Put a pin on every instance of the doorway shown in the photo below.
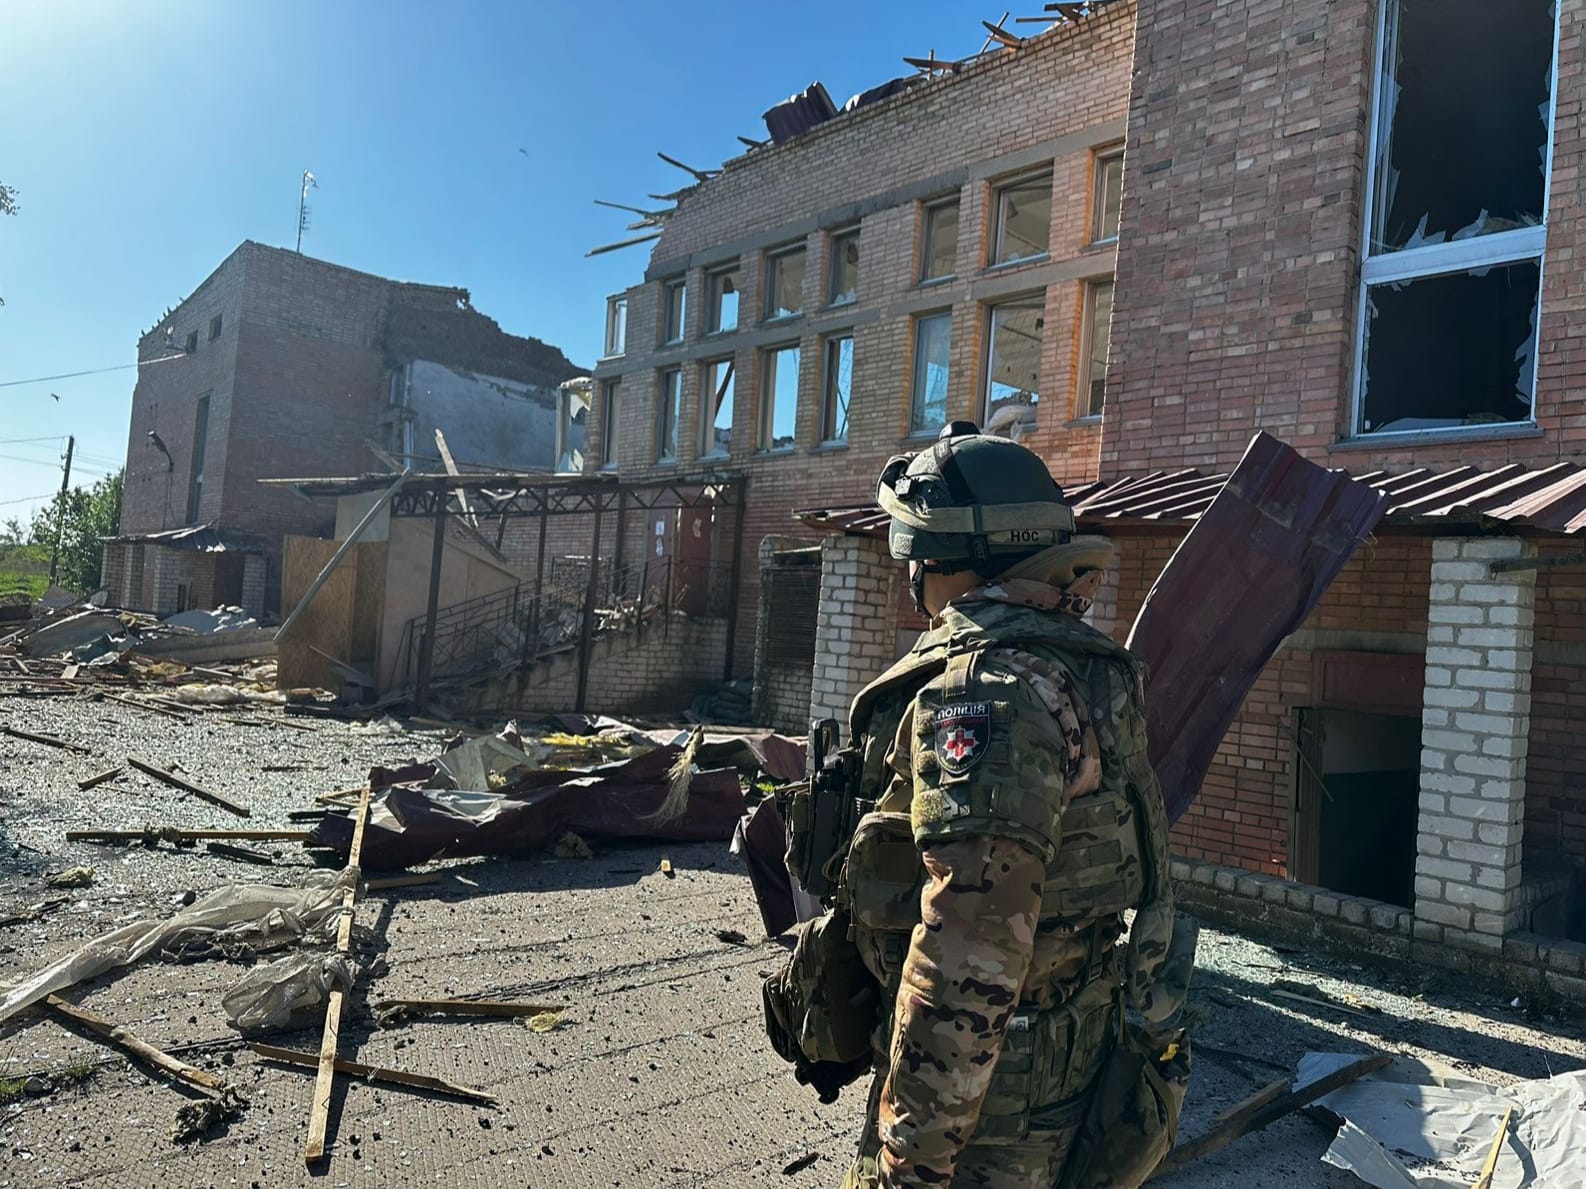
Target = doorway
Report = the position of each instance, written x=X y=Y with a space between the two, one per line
x=1357 y=801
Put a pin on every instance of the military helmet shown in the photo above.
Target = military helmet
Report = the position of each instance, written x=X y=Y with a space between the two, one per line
x=972 y=501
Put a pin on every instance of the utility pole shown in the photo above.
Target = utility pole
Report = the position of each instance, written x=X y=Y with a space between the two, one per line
x=302 y=208
x=60 y=508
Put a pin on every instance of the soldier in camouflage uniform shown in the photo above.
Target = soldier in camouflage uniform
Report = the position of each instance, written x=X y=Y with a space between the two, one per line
x=1010 y=819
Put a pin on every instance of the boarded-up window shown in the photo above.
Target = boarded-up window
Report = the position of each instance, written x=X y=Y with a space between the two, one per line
x=792 y=606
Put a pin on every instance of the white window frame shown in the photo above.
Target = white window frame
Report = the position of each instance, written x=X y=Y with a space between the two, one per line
x=998 y=194
x=616 y=327
x=839 y=239
x=564 y=402
x=1435 y=260
x=769 y=395
x=1087 y=339
x=678 y=285
x=773 y=262
x=916 y=393
x=1037 y=299
x=707 y=411
x=926 y=211
x=713 y=278
x=1100 y=158
x=828 y=391
x=663 y=400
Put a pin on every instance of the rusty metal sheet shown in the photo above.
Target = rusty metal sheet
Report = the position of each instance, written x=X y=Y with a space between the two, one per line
x=1254 y=566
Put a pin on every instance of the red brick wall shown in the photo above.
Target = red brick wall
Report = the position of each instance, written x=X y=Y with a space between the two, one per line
x=1555 y=800
x=1243 y=200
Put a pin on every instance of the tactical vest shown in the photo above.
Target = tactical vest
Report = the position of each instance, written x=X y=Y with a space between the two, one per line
x=1112 y=855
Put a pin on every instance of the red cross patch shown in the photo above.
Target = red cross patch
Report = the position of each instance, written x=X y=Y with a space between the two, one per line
x=962 y=733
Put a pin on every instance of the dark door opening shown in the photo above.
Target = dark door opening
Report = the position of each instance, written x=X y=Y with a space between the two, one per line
x=228 y=580
x=1357 y=803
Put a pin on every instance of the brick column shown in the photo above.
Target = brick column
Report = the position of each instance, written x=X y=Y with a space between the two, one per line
x=857 y=627
x=1475 y=722
x=254 y=567
x=167 y=573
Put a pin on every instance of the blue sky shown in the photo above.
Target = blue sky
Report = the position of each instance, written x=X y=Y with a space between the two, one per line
x=147 y=140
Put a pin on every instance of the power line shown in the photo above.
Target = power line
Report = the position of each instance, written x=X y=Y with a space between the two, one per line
x=97 y=371
x=27 y=441
x=22 y=499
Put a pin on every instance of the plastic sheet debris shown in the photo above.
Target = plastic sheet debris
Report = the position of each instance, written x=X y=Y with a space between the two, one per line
x=259 y=916
x=412 y=822
x=287 y=991
x=206 y=622
x=1413 y=1127
x=472 y=764
x=761 y=841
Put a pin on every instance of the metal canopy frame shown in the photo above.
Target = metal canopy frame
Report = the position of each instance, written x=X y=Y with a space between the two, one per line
x=510 y=496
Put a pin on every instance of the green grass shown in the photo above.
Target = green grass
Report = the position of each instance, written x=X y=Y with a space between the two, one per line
x=24 y=569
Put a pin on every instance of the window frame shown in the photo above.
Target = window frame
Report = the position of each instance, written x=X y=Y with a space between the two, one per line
x=608 y=424
x=1037 y=299
x=564 y=399
x=616 y=326
x=190 y=344
x=838 y=240
x=916 y=391
x=927 y=209
x=768 y=396
x=216 y=324
x=828 y=388
x=713 y=296
x=1436 y=260
x=664 y=400
x=1087 y=341
x=773 y=260
x=707 y=392
x=999 y=195
x=198 y=459
x=679 y=286
x=1100 y=158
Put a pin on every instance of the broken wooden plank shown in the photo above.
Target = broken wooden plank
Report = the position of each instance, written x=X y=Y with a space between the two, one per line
x=466 y=1007
x=266 y=722
x=227 y=851
x=100 y=777
x=47 y=740
x=451 y=469
x=1490 y=1165
x=339 y=795
x=401 y=881
x=1285 y=1104
x=1248 y=1106
x=176 y=782
x=172 y=834
x=324 y=1081
x=152 y=709
x=132 y=1045
x=375 y=1073
x=1315 y=1002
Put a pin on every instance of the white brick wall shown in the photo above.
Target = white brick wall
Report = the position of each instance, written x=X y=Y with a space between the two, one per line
x=859 y=597
x=1474 y=730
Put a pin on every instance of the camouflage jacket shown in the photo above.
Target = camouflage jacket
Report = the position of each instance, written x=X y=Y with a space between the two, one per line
x=1006 y=756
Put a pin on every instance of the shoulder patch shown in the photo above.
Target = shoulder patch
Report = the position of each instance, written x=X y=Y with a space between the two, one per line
x=963 y=733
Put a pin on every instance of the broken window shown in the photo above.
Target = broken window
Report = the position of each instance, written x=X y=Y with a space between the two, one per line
x=1024 y=219
x=214 y=328
x=837 y=386
x=674 y=303
x=784 y=284
x=572 y=419
x=779 y=411
x=195 y=475
x=844 y=283
x=1013 y=366
x=192 y=342
x=1452 y=273
x=928 y=405
x=668 y=415
x=1097 y=336
x=939 y=248
x=723 y=288
x=1108 y=199
x=616 y=326
x=716 y=424
x=608 y=425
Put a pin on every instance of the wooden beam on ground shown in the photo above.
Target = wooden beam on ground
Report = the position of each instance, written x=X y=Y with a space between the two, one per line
x=132 y=1045
x=100 y=777
x=401 y=881
x=324 y=1081
x=227 y=851
x=152 y=709
x=47 y=740
x=1224 y=1134
x=155 y=833
x=176 y=782
x=1490 y=1165
x=375 y=1073
x=1248 y=1106
x=466 y=1007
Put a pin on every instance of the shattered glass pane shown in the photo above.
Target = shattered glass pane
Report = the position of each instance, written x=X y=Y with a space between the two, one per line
x=1449 y=351
x=1024 y=220
x=723 y=300
x=671 y=410
x=781 y=399
x=1462 y=144
x=928 y=410
x=839 y=385
x=718 y=403
x=941 y=241
x=1013 y=368
x=784 y=294
x=574 y=419
x=676 y=307
x=845 y=268
x=1100 y=338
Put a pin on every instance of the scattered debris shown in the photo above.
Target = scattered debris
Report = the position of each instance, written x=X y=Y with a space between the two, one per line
x=1490 y=1166
x=124 y=1040
x=227 y=850
x=546 y=1021
x=797 y=1166
x=150 y=835
x=47 y=740
x=401 y=881
x=731 y=937
x=374 y=1073
x=188 y=787
x=571 y=846
x=666 y=869
x=284 y=993
x=1298 y=992
x=208 y=1116
x=72 y=877
x=108 y=774
x=391 y=1011
x=34 y=913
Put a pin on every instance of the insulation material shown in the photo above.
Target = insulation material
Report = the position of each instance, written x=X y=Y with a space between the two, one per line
x=275 y=995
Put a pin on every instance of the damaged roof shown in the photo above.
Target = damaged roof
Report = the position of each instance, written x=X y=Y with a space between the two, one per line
x=1548 y=499
x=198 y=538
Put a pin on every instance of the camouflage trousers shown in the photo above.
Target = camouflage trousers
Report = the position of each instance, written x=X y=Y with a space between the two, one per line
x=1030 y=1164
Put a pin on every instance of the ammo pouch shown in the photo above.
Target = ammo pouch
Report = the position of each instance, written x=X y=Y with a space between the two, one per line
x=821 y=814
x=1134 y=1111
x=822 y=1005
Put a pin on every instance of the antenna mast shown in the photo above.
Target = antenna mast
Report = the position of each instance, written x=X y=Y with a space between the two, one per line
x=302 y=208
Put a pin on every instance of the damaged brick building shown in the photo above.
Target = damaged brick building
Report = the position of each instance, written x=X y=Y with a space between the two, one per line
x=279 y=365
x=1352 y=228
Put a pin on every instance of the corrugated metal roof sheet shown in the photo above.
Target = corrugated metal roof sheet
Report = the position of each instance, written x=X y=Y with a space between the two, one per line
x=1550 y=499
